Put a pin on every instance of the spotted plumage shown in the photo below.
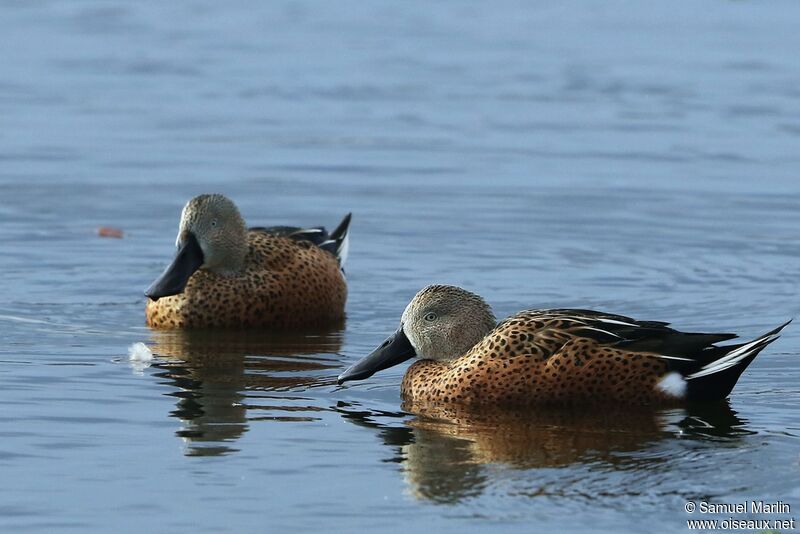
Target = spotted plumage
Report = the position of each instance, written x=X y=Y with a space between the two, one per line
x=560 y=356
x=286 y=278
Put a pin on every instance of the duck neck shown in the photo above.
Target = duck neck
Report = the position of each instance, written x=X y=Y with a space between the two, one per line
x=228 y=257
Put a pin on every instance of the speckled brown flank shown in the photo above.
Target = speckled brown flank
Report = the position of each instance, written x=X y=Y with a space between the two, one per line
x=528 y=359
x=285 y=284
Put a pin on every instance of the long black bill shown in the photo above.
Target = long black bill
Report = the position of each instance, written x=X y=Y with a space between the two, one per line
x=172 y=281
x=396 y=349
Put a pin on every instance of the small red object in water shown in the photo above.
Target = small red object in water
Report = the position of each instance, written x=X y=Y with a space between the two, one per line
x=107 y=231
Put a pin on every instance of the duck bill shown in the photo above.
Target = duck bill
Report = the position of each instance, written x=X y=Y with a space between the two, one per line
x=173 y=280
x=396 y=349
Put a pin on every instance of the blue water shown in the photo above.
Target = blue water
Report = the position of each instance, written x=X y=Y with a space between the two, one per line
x=626 y=156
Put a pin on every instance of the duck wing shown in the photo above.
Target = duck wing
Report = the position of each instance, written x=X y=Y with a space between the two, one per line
x=630 y=334
x=336 y=242
x=708 y=371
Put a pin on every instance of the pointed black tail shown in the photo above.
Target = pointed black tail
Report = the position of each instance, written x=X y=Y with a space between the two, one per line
x=715 y=380
x=338 y=242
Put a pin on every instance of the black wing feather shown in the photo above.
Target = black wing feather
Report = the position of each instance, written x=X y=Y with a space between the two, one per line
x=333 y=242
x=644 y=336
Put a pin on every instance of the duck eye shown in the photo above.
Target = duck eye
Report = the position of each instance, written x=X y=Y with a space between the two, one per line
x=430 y=316
x=214 y=223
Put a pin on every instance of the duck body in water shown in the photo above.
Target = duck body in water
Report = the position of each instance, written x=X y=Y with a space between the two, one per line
x=226 y=275
x=557 y=356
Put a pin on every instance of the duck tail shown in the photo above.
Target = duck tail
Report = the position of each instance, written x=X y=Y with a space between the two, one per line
x=339 y=240
x=715 y=380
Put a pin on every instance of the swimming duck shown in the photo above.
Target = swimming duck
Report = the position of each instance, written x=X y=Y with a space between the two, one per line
x=558 y=356
x=226 y=275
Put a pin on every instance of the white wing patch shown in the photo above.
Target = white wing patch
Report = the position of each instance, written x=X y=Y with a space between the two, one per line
x=673 y=384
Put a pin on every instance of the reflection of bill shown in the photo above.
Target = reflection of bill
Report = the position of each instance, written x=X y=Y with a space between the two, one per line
x=448 y=452
x=214 y=372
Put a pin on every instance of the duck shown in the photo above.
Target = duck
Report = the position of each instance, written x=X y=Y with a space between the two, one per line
x=227 y=275
x=551 y=356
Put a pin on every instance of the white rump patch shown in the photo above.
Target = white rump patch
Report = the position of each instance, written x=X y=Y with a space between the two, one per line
x=673 y=384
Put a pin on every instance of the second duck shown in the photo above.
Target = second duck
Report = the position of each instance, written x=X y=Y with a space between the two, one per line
x=226 y=275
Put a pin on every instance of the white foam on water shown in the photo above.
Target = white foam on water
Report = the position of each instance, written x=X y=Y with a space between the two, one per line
x=139 y=352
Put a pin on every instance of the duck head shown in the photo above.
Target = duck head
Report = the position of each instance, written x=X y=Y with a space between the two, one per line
x=212 y=236
x=440 y=323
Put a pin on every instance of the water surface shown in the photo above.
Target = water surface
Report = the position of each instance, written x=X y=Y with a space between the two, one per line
x=636 y=158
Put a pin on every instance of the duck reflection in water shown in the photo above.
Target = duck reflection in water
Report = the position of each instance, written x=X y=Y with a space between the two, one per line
x=223 y=377
x=446 y=451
